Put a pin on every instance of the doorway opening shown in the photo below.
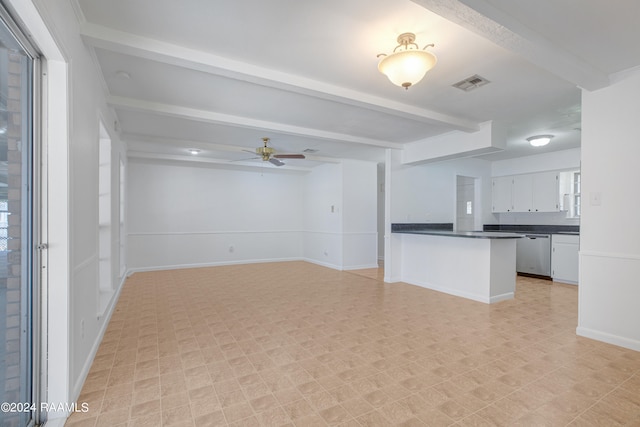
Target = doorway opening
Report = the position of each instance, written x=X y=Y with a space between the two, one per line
x=467 y=209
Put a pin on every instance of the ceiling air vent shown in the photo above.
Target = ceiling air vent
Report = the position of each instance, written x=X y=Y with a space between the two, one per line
x=471 y=83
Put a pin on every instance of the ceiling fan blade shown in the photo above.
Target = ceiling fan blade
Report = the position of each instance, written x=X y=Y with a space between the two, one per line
x=244 y=160
x=249 y=151
x=289 y=156
x=276 y=162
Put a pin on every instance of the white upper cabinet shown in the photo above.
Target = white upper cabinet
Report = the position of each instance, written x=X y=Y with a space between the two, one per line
x=501 y=200
x=522 y=193
x=545 y=189
x=534 y=192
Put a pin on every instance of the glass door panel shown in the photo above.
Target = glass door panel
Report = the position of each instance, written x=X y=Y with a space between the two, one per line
x=16 y=243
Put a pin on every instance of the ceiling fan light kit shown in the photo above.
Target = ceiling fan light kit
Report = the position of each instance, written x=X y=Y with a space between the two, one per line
x=265 y=152
x=407 y=64
x=268 y=154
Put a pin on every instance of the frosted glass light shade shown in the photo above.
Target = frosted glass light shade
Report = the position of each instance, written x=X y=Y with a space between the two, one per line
x=539 y=140
x=407 y=67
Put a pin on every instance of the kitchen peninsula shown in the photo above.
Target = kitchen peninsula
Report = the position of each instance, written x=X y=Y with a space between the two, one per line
x=472 y=264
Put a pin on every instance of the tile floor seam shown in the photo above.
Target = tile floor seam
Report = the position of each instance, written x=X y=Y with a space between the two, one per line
x=600 y=400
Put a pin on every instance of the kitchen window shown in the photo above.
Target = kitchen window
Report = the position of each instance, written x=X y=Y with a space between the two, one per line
x=575 y=202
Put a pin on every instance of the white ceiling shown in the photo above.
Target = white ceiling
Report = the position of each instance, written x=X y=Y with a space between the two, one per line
x=219 y=75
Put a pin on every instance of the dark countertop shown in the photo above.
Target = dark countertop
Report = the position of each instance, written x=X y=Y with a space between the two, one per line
x=533 y=228
x=490 y=231
x=467 y=234
x=415 y=226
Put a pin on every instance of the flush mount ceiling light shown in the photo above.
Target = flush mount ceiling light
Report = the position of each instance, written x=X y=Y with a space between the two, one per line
x=407 y=64
x=539 y=140
x=194 y=151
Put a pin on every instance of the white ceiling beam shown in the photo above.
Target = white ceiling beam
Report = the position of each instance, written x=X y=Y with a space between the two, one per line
x=205 y=116
x=482 y=18
x=173 y=142
x=226 y=163
x=131 y=44
x=134 y=138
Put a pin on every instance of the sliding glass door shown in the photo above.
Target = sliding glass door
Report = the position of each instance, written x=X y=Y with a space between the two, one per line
x=18 y=290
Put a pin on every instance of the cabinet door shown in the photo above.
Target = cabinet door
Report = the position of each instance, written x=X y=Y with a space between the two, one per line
x=564 y=261
x=522 y=193
x=545 y=189
x=501 y=194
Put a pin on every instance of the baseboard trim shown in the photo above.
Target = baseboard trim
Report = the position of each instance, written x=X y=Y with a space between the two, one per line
x=77 y=387
x=209 y=264
x=449 y=291
x=106 y=316
x=360 y=267
x=608 y=338
x=502 y=297
x=535 y=276
x=131 y=271
x=322 y=264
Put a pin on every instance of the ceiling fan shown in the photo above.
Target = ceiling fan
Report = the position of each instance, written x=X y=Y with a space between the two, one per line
x=268 y=154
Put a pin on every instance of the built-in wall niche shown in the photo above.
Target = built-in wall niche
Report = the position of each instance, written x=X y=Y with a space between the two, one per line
x=570 y=197
x=105 y=278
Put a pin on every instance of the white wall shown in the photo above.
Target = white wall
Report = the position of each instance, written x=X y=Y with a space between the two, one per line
x=75 y=103
x=609 y=290
x=427 y=193
x=340 y=215
x=553 y=161
x=185 y=214
x=381 y=193
x=535 y=218
x=360 y=208
x=322 y=218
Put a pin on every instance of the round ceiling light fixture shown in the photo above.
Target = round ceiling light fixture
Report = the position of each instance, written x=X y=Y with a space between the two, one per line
x=407 y=64
x=194 y=151
x=539 y=140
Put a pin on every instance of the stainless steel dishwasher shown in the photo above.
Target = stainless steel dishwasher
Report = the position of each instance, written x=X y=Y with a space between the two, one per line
x=533 y=254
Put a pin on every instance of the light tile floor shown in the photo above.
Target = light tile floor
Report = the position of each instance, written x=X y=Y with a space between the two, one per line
x=297 y=344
